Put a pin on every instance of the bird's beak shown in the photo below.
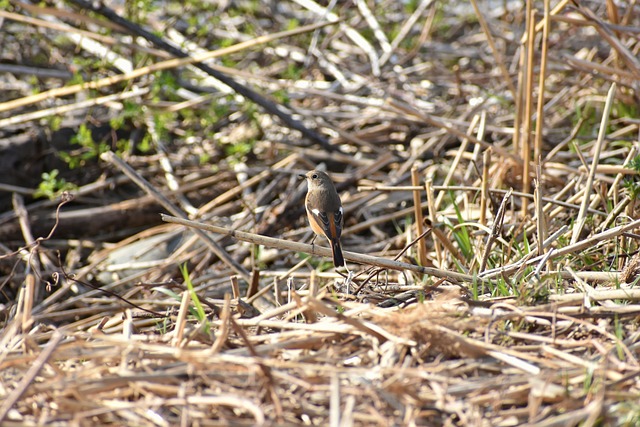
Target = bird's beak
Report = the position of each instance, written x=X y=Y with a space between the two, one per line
x=302 y=176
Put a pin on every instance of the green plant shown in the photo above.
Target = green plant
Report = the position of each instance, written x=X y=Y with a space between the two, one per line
x=292 y=24
x=51 y=185
x=130 y=111
x=620 y=109
x=218 y=109
x=204 y=158
x=54 y=122
x=89 y=149
x=238 y=150
x=162 y=121
x=589 y=380
x=282 y=96
x=319 y=263
x=632 y=182
x=138 y=11
x=293 y=72
x=475 y=291
x=163 y=326
x=461 y=233
x=619 y=332
x=164 y=87
x=585 y=115
x=198 y=309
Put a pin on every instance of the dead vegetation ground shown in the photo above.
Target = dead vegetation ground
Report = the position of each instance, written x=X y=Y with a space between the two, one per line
x=487 y=157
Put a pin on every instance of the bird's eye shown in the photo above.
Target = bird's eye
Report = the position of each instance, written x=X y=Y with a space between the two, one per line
x=314 y=176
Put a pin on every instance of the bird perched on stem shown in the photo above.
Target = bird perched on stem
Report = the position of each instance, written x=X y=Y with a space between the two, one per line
x=325 y=212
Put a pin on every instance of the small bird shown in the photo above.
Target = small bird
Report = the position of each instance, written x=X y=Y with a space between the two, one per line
x=325 y=212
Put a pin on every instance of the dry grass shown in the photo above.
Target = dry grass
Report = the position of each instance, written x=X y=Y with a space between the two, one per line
x=487 y=162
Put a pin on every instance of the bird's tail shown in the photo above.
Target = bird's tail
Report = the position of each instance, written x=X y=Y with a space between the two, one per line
x=336 y=251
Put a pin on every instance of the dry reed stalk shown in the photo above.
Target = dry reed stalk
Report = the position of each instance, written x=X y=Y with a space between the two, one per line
x=484 y=189
x=319 y=250
x=63 y=109
x=459 y=154
x=580 y=220
x=419 y=220
x=542 y=76
x=525 y=152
